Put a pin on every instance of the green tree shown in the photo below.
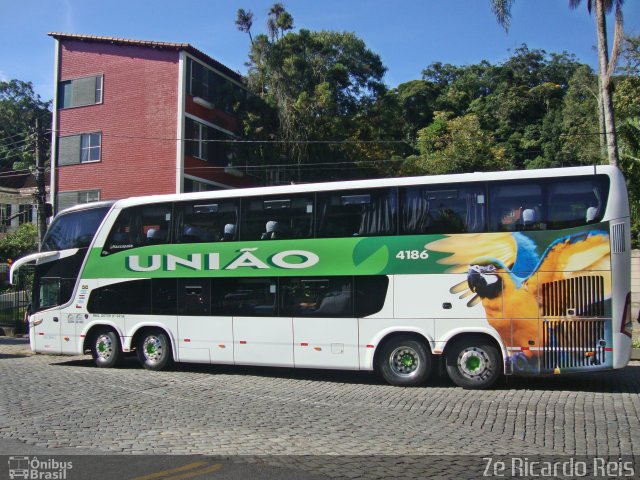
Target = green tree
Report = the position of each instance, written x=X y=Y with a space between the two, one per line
x=20 y=242
x=456 y=145
x=606 y=63
x=325 y=87
x=627 y=105
x=19 y=107
x=244 y=22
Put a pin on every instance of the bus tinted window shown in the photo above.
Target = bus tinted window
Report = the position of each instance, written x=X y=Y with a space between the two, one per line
x=140 y=226
x=251 y=297
x=517 y=206
x=370 y=292
x=276 y=218
x=206 y=221
x=53 y=291
x=316 y=297
x=133 y=297
x=577 y=201
x=164 y=296
x=194 y=296
x=442 y=209
x=73 y=229
x=357 y=213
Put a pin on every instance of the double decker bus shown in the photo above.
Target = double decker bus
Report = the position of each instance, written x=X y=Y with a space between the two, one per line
x=523 y=272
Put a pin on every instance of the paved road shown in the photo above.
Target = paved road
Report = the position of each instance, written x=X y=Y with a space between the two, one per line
x=333 y=424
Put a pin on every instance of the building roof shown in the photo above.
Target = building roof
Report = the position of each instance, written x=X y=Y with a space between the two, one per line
x=20 y=180
x=150 y=44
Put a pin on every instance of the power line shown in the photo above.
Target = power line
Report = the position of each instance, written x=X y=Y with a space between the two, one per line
x=12 y=136
x=309 y=142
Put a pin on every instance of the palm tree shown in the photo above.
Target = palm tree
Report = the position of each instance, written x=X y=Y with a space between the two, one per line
x=244 y=22
x=606 y=64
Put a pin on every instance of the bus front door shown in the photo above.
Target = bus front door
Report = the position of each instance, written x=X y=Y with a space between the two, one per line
x=46 y=331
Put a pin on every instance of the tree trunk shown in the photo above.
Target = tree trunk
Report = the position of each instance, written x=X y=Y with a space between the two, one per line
x=605 y=84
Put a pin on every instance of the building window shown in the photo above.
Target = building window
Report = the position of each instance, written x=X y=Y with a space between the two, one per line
x=209 y=144
x=196 y=186
x=80 y=92
x=69 y=199
x=90 y=147
x=83 y=148
x=221 y=92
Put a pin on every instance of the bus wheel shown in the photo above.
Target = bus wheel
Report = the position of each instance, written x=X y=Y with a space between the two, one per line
x=473 y=363
x=405 y=361
x=154 y=350
x=105 y=349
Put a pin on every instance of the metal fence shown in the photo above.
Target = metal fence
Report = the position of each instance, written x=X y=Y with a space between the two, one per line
x=14 y=299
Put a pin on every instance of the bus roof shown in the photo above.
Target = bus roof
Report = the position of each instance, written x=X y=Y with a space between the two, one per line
x=87 y=206
x=381 y=182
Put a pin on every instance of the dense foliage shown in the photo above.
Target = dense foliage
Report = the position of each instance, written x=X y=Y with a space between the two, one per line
x=19 y=107
x=327 y=114
x=20 y=242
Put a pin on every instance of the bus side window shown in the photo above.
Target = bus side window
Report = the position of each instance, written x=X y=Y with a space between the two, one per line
x=277 y=217
x=442 y=209
x=194 y=296
x=206 y=221
x=357 y=213
x=131 y=297
x=516 y=206
x=250 y=297
x=577 y=201
x=317 y=296
x=138 y=227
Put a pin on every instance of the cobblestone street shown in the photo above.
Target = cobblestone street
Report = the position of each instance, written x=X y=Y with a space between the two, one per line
x=65 y=402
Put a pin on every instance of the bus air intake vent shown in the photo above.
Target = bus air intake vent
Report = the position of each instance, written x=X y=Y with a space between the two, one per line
x=573 y=343
x=617 y=238
x=574 y=297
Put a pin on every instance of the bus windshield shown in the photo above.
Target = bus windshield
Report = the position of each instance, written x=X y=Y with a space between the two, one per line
x=74 y=229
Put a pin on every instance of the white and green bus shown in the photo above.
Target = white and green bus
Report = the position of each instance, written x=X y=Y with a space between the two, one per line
x=524 y=272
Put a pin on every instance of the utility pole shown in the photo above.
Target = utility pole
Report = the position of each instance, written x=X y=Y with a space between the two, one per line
x=41 y=194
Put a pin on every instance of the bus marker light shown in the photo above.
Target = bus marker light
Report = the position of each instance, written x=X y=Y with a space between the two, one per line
x=243 y=342
x=608 y=349
x=317 y=348
x=222 y=345
x=370 y=346
x=589 y=354
x=304 y=344
x=187 y=340
x=41 y=334
x=66 y=339
x=82 y=335
x=556 y=370
x=37 y=322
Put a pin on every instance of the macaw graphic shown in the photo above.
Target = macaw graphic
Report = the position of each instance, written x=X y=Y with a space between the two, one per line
x=505 y=272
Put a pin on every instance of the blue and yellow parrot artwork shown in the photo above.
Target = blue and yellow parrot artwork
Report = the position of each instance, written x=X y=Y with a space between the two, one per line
x=506 y=271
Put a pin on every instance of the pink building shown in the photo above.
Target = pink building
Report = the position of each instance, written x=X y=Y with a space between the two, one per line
x=137 y=118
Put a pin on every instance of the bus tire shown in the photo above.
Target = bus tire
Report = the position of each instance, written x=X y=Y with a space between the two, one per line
x=154 y=350
x=405 y=361
x=105 y=348
x=473 y=363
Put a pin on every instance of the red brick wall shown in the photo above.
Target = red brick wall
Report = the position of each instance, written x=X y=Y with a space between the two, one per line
x=137 y=118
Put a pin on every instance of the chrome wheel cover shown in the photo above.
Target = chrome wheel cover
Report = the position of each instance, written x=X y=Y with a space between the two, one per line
x=152 y=349
x=404 y=361
x=104 y=347
x=474 y=363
